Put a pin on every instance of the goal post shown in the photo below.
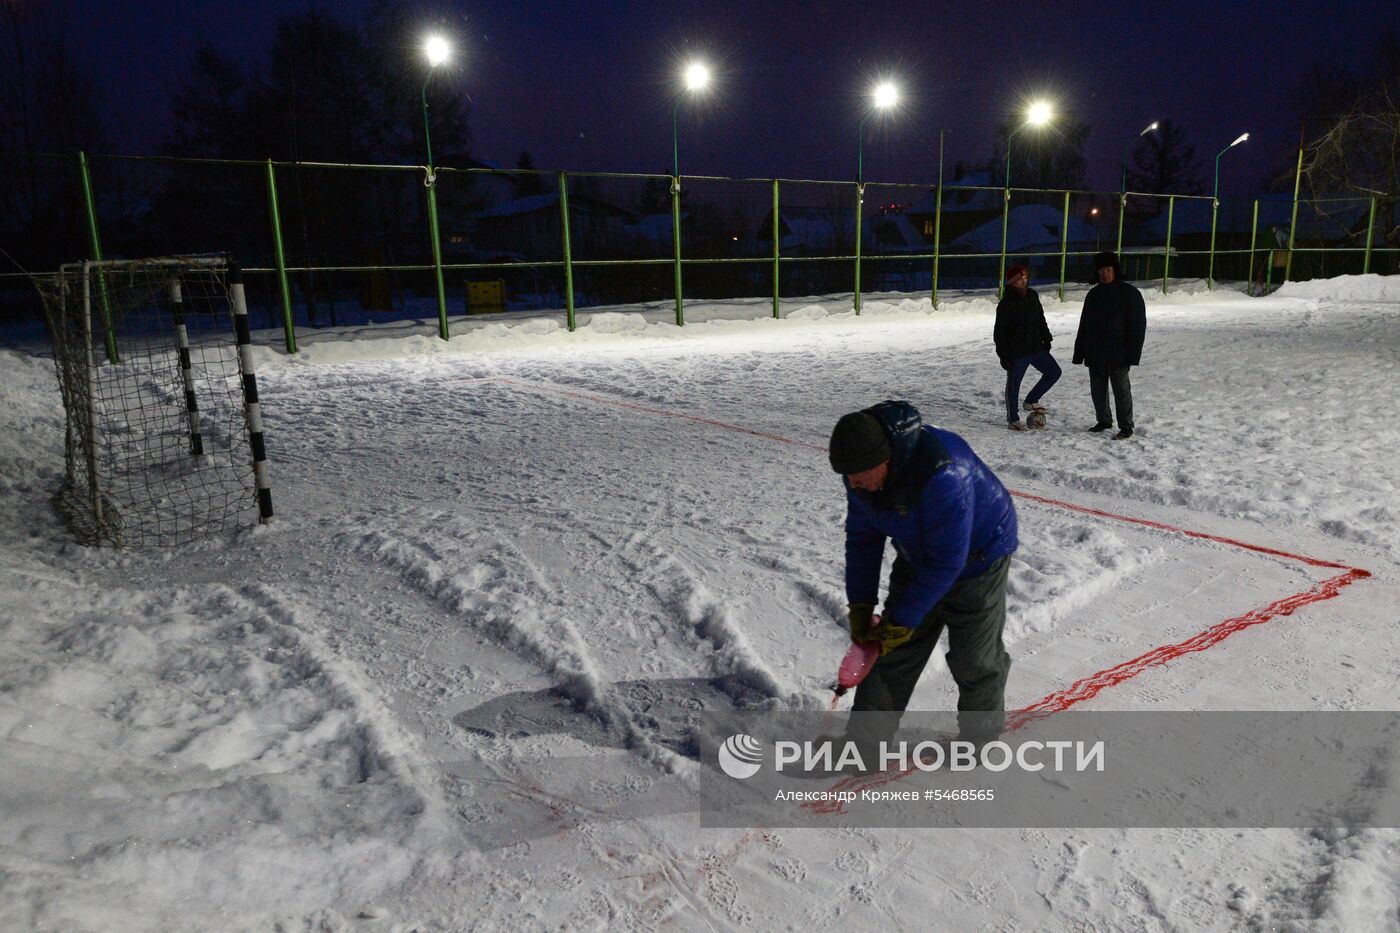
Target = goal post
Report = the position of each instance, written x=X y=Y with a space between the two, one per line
x=164 y=439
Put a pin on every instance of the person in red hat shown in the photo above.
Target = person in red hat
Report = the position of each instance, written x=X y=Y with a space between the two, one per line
x=1023 y=341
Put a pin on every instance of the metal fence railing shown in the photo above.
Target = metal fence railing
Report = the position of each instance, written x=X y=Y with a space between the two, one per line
x=333 y=243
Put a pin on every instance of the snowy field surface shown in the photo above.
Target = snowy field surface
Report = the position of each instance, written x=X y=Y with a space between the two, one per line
x=520 y=556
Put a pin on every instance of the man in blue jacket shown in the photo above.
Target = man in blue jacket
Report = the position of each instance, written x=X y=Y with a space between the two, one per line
x=954 y=528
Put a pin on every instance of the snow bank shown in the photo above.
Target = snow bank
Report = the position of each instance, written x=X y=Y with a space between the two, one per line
x=1370 y=287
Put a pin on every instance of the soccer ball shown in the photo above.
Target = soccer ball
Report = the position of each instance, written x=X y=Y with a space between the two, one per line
x=1035 y=419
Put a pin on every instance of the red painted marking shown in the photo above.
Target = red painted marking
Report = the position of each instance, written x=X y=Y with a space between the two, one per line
x=1085 y=688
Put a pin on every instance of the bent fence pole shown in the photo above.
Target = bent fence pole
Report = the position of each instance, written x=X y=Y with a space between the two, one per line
x=568 y=251
x=1293 y=224
x=95 y=244
x=676 y=241
x=1064 y=246
x=1253 y=242
x=1370 y=233
x=1167 y=252
x=777 y=256
x=860 y=202
x=430 y=182
x=280 y=255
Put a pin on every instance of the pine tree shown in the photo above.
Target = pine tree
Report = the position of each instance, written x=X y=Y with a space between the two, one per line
x=1164 y=162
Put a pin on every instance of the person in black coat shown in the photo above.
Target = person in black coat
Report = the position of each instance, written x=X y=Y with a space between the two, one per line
x=1023 y=340
x=1111 y=330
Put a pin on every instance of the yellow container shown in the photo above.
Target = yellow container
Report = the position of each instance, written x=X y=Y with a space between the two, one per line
x=486 y=297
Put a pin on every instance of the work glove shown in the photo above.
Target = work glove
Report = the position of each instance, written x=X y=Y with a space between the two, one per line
x=890 y=635
x=862 y=619
x=866 y=626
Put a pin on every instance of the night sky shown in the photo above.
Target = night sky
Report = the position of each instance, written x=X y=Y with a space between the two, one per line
x=589 y=85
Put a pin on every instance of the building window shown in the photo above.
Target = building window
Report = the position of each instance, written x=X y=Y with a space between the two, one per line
x=928 y=228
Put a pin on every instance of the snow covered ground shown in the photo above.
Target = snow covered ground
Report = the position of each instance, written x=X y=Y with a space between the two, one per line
x=503 y=565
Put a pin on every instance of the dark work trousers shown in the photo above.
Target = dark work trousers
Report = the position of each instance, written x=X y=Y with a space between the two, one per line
x=1049 y=375
x=974 y=613
x=1099 y=380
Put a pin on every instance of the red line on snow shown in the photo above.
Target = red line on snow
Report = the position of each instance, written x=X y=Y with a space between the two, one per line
x=1085 y=688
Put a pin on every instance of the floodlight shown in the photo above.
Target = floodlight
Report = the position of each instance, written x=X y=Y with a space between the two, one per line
x=697 y=75
x=437 y=50
x=1039 y=113
x=886 y=95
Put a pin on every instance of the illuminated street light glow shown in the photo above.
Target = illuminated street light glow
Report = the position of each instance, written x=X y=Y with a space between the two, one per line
x=1039 y=113
x=1242 y=138
x=697 y=75
x=437 y=50
x=886 y=95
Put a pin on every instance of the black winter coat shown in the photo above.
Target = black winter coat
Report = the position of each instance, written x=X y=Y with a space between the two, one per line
x=1111 y=326
x=1020 y=329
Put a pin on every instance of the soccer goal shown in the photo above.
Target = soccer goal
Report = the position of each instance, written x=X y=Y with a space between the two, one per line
x=164 y=432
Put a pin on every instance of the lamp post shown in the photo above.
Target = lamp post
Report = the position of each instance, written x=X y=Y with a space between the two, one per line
x=1215 y=206
x=437 y=51
x=885 y=96
x=1123 y=188
x=1151 y=128
x=697 y=78
x=1037 y=115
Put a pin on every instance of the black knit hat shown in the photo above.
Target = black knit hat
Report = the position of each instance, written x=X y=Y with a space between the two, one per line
x=858 y=443
x=1107 y=258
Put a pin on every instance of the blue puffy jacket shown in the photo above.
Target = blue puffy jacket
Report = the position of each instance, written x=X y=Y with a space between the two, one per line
x=948 y=514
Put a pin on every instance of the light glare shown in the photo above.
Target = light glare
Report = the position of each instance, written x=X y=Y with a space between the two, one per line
x=1242 y=138
x=886 y=95
x=696 y=77
x=1039 y=114
x=437 y=50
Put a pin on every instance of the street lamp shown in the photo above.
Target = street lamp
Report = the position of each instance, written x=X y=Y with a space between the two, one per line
x=884 y=96
x=1151 y=128
x=696 y=78
x=1215 y=206
x=1038 y=114
x=437 y=51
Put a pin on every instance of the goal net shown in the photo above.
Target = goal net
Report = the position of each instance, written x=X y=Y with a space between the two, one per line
x=164 y=435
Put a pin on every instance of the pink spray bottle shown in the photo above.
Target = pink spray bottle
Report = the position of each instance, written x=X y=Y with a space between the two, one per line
x=860 y=658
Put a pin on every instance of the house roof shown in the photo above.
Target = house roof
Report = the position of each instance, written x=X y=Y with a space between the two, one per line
x=1030 y=228
x=550 y=201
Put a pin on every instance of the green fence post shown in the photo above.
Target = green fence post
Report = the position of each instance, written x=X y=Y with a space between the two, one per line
x=1253 y=242
x=280 y=256
x=95 y=243
x=1293 y=224
x=1122 y=209
x=860 y=201
x=1064 y=247
x=1210 y=268
x=676 y=241
x=568 y=250
x=431 y=185
x=1370 y=231
x=937 y=219
x=1005 y=216
x=1269 y=274
x=777 y=253
x=1167 y=253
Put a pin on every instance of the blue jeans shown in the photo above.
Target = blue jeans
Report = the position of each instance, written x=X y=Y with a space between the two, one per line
x=1049 y=375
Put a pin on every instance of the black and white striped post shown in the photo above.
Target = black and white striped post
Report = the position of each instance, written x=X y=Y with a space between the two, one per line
x=250 y=391
x=182 y=343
